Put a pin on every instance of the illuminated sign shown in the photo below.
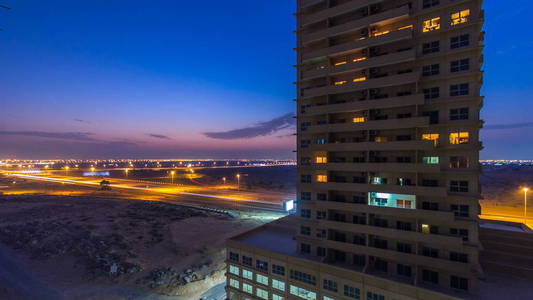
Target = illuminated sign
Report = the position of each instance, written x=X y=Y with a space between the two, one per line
x=289 y=206
x=95 y=173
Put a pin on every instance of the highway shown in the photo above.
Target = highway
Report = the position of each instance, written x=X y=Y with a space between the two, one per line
x=216 y=197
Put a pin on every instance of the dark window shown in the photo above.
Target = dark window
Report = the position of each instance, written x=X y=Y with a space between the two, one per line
x=432 y=93
x=403 y=138
x=381 y=265
x=460 y=257
x=320 y=215
x=404 y=159
x=306 y=178
x=359 y=239
x=352 y=292
x=433 y=116
x=431 y=70
x=305 y=143
x=403 y=226
x=261 y=265
x=431 y=47
x=305 y=213
x=431 y=252
x=306 y=196
x=321 y=233
x=403 y=247
x=305 y=230
x=430 y=276
x=459 y=114
x=379 y=243
x=321 y=251
x=404 y=116
x=303 y=277
x=459 y=283
x=460 y=65
x=374 y=296
x=459 y=89
x=247 y=261
x=430 y=205
x=381 y=222
x=234 y=256
x=321 y=197
x=359 y=220
x=459 y=162
x=359 y=199
x=460 y=210
x=359 y=179
x=359 y=260
x=460 y=233
x=305 y=248
x=330 y=285
x=430 y=3
x=279 y=270
x=430 y=182
x=404 y=270
x=460 y=41
x=434 y=229
x=459 y=186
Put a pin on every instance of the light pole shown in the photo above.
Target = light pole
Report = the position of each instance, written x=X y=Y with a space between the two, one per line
x=127 y=170
x=224 y=180
x=238 y=182
x=525 y=204
x=172 y=176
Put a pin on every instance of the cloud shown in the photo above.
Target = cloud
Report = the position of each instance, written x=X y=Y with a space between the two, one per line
x=509 y=126
x=158 y=136
x=73 y=136
x=82 y=121
x=259 y=129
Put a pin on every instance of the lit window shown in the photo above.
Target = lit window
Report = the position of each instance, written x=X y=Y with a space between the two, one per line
x=460 y=17
x=247 y=288
x=261 y=293
x=380 y=139
x=322 y=178
x=432 y=24
x=382 y=33
x=359 y=119
x=321 y=159
x=431 y=137
x=247 y=274
x=359 y=79
x=302 y=293
x=278 y=285
x=406 y=27
x=457 y=138
x=277 y=297
x=261 y=279
x=425 y=228
x=234 y=283
x=404 y=203
x=340 y=63
x=234 y=270
x=359 y=59
x=431 y=160
x=340 y=82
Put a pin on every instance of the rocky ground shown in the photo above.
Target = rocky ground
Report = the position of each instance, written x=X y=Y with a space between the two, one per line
x=76 y=244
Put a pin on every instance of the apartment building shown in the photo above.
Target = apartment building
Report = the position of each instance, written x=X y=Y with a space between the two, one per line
x=388 y=150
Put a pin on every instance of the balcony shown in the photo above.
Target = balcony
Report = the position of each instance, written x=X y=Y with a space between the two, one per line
x=378 y=61
x=408 y=258
x=375 y=146
x=352 y=106
x=443 y=217
x=448 y=241
x=333 y=11
x=382 y=188
x=360 y=44
x=371 y=125
x=380 y=19
x=375 y=167
x=390 y=80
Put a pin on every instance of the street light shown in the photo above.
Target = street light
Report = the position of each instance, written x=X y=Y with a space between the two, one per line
x=172 y=176
x=224 y=180
x=127 y=170
x=238 y=181
x=525 y=204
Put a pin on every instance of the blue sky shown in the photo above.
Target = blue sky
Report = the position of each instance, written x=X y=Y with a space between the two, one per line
x=149 y=79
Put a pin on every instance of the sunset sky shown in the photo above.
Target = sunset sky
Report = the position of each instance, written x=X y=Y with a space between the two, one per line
x=186 y=79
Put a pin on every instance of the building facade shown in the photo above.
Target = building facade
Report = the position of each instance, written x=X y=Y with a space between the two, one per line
x=388 y=149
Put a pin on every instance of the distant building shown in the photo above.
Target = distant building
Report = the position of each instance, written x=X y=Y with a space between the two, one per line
x=388 y=158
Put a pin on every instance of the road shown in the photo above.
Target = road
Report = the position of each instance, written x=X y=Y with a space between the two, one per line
x=217 y=197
